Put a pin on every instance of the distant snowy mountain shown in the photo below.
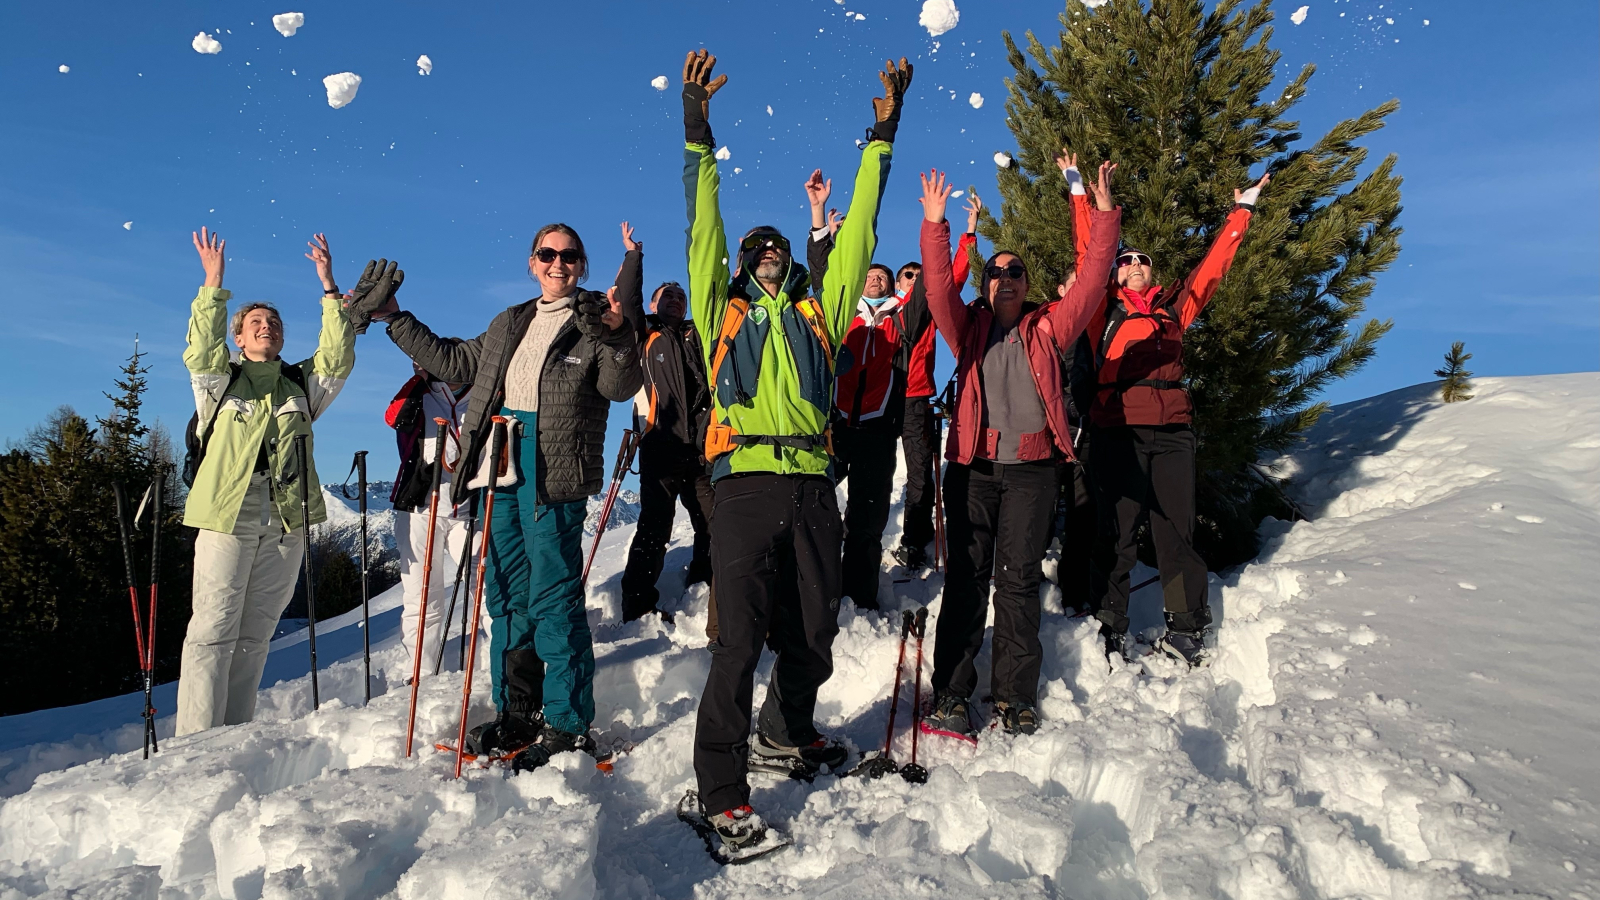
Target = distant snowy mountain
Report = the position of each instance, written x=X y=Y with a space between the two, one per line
x=1401 y=705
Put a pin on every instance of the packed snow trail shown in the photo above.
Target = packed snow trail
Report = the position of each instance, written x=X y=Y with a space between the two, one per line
x=1372 y=726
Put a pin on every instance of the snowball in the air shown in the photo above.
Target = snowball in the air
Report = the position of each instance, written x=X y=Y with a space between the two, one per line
x=737 y=170
x=1003 y=160
x=64 y=69
x=976 y=100
x=205 y=43
x=341 y=88
x=769 y=109
x=424 y=65
x=956 y=194
x=938 y=16
x=860 y=17
x=288 y=23
x=127 y=226
x=659 y=82
x=724 y=153
x=1299 y=15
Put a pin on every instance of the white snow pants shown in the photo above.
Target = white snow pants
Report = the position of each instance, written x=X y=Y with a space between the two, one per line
x=242 y=582
x=411 y=542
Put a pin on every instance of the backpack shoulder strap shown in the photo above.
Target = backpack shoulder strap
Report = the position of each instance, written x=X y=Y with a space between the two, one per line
x=811 y=311
x=732 y=321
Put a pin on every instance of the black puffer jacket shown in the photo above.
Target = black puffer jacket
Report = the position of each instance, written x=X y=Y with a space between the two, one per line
x=581 y=377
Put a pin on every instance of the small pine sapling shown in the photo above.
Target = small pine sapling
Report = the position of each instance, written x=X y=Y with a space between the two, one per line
x=1457 y=383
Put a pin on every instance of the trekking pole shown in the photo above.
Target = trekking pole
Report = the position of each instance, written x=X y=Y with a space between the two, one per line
x=427 y=582
x=125 y=528
x=366 y=606
x=630 y=443
x=911 y=771
x=461 y=664
x=461 y=571
x=496 y=442
x=302 y=471
x=158 y=495
x=884 y=764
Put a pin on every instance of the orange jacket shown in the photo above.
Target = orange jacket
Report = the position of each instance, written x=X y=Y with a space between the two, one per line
x=1138 y=338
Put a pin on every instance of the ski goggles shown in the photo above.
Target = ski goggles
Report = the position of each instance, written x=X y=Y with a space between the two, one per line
x=1133 y=259
x=761 y=240
x=1014 y=271
x=548 y=255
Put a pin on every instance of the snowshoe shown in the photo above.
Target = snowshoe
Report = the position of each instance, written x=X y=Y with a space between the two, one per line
x=507 y=734
x=501 y=757
x=1017 y=718
x=875 y=765
x=912 y=559
x=803 y=763
x=1187 y=647
x=732 y=837
x=551 y=741
x=950 y=718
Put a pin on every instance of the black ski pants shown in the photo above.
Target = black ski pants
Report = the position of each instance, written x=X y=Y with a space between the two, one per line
x=999 y=523
x=1139 y=471
x=920 y=444
x=865 y=455
x=668 y=475
x=1079 y=530
x=775 y=549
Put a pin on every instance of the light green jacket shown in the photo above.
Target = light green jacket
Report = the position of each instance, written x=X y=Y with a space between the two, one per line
x=263 y=408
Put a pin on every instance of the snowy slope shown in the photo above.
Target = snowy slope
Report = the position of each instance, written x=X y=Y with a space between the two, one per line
x=1401 y=706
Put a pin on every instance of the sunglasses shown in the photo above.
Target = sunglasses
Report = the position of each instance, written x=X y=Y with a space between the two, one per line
x=1133 y=259
x=548 y=255
x=1014 y=271
x=762 y=240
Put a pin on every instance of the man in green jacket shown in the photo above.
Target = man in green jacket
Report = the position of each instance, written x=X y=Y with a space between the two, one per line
x=775 y=535
x=244 y=497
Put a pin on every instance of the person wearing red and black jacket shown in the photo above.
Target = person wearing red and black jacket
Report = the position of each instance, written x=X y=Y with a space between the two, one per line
x=1008 y=431
x=672 y=414
x=918 y=438
x=1142 y=457
x=413 y=414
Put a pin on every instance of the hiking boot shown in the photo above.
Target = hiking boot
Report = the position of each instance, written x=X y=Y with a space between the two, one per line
x=1116 y=642
x=507 y=733
x=1017 y=718
x=738 y=828
x=1188 y=647
x=797 y=762
x=950 y=715
x=552 y=740
x=910 y=558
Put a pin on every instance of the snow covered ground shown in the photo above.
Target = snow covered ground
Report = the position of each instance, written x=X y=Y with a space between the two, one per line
x=1402 y=706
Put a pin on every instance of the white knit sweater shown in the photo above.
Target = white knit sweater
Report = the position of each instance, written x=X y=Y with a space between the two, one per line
x=522 y=375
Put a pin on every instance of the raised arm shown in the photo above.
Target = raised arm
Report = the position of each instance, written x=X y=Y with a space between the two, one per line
x=1082 y=221
x=950 y=315
x=328 y=368
x=1070 y=315
x=630 y=282
x=708 y=242
x=819 y=242
x=1202 y=283
x=206 y=352
x=962 y=264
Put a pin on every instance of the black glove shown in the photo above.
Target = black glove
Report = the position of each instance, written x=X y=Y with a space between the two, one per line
x=587 y=312
x=378 y=284
x=887 y=108
x=696 y=130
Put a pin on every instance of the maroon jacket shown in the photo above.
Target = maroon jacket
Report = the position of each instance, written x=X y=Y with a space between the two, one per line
x=1046 y=331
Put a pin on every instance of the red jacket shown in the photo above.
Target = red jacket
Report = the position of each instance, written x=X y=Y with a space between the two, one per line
x=874 y=338
x=919 y=374
x=1046 y=331
x=1140 y=378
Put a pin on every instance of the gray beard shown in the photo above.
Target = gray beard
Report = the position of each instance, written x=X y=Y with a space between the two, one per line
x=769 y=271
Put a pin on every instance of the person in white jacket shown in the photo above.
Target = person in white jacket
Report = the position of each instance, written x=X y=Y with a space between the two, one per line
x=414 y=414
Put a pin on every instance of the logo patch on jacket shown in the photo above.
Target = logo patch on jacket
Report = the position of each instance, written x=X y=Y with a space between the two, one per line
x=572 y=360
x=759 y=315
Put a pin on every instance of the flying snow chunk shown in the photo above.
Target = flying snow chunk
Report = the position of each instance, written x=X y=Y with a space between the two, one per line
x=724 y=153
x=424 y=65
x=1299 y=16
x=205 y=43
x=341 y=88
x=737 y=170
x=1004 y=160
x=976 y=100
x=64 y=69
x=938 y=16
x=769 y=109
x=659 y=82
x=860 y=17
x=127 y=226
x=955 y=195
x=288 y=23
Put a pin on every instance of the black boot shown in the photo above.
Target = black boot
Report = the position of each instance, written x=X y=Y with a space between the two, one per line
x=1018 y=718
x=506 y=734
x=1116 y=642
x=551 y=741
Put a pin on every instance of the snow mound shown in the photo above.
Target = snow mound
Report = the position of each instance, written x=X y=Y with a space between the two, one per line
x=659 y=82
x=976 y=100
x=1365 y=728
x=205 y=43
x=342 y=88
x=424 y=65
x=1299 y=16
x=938 y=16
x=288 y=23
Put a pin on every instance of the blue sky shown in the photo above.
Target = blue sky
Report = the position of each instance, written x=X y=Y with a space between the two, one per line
x=544 y=112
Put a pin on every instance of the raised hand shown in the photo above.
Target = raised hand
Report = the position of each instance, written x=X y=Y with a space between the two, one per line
x=817 y=190
x=974 y=206
x=373 y=295
x=1101 y=188
x=628 y=243
x=835 y=219
x=612 y=317
x=323 y=257
x=1249 y=195
x=895 y=79
x=935 y=194
x=1067 y=160
x=698 y=87
x=211 y=248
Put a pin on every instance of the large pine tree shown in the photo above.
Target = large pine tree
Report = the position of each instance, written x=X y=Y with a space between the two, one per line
x=1176 y=96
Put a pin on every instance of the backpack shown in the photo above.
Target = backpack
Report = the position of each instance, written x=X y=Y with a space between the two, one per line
x=194 y=441
x=1118 y=314
x=720 y=436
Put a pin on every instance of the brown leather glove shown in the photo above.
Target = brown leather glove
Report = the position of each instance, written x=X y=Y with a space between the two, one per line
x=896 y=79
